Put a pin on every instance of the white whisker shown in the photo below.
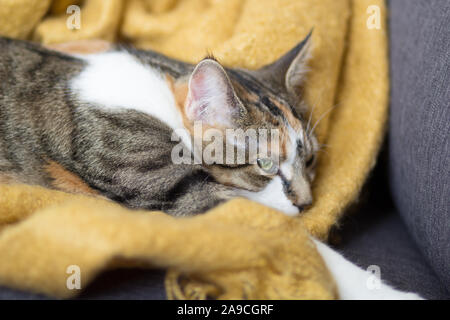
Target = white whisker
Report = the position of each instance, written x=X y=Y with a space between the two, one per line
x=321 y=118
x=318 y=101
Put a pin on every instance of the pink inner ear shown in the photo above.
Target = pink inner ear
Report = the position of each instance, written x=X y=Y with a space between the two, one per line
x=208 y=99
x=195 y=92
x=197 y=85
x=198 y=96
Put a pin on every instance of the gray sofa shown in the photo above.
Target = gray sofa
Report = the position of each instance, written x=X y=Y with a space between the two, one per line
x=404 y=225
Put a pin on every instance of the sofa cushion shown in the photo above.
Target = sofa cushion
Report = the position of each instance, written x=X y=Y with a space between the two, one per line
x=420 y=124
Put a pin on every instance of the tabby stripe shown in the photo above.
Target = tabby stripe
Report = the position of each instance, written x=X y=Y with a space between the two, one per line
x=233 y=166
x=254 y=86
x=286 y=184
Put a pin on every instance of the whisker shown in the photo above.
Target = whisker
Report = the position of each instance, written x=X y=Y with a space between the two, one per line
x=318 y=101
x=321 y=118
x=323 y=151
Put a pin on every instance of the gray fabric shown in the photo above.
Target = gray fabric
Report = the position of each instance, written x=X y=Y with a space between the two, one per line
x=420 y=124
x=377 y=236
x=123 y=284
x=374 y=234
x=136 y=284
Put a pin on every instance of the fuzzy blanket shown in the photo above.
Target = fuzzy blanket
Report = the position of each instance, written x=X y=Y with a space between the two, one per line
x=240 y=249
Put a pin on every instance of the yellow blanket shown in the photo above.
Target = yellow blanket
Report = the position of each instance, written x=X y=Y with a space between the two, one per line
x=240 y=249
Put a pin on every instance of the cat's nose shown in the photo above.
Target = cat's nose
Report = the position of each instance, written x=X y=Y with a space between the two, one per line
x=303 y=207
x=304 y=200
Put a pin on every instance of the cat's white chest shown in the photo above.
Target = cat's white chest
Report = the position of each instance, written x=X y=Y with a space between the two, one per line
x=117 y=80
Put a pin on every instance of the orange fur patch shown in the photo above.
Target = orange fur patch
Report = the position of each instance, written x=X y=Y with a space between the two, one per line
x=67 y=181
x=293 y=121
x=250 y=96
x=180 y=91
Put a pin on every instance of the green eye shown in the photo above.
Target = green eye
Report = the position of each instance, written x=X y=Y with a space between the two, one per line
x=267 y=165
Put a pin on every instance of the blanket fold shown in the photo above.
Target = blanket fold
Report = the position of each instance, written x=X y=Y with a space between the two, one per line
x=240 y=249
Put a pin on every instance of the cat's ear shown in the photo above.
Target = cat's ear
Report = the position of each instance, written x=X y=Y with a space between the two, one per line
x=289 y=70
x=211 y=98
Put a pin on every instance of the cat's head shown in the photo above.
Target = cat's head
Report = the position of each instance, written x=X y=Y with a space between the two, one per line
x=225 y=99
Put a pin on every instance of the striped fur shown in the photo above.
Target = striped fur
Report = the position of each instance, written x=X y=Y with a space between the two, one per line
x=102 y=125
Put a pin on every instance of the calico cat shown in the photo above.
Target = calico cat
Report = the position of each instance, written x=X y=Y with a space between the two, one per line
x=107 y=121
x=104 y=124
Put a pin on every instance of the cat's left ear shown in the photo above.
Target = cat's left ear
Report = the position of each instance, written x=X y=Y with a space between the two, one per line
x=289 y=71
x=211 y=98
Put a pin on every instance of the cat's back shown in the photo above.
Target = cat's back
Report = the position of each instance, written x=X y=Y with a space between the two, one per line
x=33 y=89
x=33 y=86
x=57 y=106
x=25 y=65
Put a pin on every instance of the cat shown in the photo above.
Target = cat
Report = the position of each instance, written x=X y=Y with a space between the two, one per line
x=107 y=119
x=104 y=124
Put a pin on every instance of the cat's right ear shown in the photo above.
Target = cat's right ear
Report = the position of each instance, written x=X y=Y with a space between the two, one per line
x=211 y=98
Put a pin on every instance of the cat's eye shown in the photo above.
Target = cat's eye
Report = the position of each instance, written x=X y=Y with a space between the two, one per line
x=267 y=165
